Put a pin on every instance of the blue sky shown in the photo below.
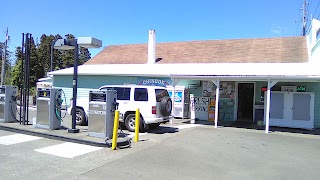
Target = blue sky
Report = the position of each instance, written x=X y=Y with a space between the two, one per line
x=128 y=21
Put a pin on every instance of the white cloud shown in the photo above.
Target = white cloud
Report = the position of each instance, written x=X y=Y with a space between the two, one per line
x=278 y=30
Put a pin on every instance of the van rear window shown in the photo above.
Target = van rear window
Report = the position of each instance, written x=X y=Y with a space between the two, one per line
x=160 y=93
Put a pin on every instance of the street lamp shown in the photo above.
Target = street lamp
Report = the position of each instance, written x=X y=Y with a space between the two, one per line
x=66 y=44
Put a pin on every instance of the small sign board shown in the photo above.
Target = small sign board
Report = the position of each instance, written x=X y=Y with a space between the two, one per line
x=301 y=89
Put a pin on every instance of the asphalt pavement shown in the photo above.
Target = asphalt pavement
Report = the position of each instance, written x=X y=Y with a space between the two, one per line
x=178 y=151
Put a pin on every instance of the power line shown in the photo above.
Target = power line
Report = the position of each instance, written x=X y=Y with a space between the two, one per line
x=13 y=45
x=313 y=16
x=297 y=28
x=316 y=9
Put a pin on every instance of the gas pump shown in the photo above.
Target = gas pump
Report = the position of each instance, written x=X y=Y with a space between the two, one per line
x=102 y=106
x=49 y=101
x=8 y=105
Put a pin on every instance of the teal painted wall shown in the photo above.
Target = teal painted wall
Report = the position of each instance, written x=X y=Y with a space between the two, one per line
x=95 y=81
x=310 y=87
x=90 y=81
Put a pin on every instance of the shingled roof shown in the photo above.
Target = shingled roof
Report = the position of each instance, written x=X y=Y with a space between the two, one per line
x=257 y=50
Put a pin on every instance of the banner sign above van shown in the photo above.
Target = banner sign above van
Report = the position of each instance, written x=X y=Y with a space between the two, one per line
x=154 y=82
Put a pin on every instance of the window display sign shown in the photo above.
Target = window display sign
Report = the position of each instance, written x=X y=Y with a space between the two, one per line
x=201 y=104
x=177 y=97
x=207 y=88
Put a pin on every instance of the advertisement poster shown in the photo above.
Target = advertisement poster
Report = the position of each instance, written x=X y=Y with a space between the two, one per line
x=177 y=97
x=207 y=88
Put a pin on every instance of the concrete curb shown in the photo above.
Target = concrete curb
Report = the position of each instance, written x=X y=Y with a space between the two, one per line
x=121 y=142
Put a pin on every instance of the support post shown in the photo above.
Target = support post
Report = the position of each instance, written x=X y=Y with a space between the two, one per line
x=192 y=110
x=137 y=125
x=217 y=83
x=267 y=113
x=268 y=107
x=173 y=100
x=21 y=79
x=75 y=86
x=115 y=130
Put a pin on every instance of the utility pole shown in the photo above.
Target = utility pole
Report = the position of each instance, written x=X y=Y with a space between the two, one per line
x=4 y=58
x=304 y=17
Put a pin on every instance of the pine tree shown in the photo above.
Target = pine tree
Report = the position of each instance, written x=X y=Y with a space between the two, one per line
x=84 y=55
x=36 y=65
x=16 y=70
x=40 y=60
x=8 y=66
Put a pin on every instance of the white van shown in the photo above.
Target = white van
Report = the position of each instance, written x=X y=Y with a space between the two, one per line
x=154 y=103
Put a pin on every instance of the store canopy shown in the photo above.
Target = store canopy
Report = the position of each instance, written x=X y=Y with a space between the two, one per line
x=202 y=71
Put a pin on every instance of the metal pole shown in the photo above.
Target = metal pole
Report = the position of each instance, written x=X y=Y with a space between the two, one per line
x=4 y=57
x=21 y=77
x=75 y=85
x=28 y=80
x=25 y=77
x=51 y=60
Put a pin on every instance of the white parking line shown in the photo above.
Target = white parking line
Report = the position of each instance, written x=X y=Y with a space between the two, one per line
x=185 y=126
x=132 y=134
x=68 y=149
x=17 y=138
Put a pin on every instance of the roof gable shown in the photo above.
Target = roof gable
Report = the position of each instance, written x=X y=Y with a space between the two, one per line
x=258 y=50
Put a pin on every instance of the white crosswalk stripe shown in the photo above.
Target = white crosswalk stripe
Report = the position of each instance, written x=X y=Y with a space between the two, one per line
x=62 y=149
x=68 y=150
x=132 y=134
x=17 y=138
x=185 y=126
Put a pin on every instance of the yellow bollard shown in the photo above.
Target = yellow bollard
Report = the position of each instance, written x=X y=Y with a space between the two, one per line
x=137 y=124
x=115 y=130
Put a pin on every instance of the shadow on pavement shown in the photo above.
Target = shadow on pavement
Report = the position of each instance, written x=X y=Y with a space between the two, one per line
x=251 y=125
x=163 y=130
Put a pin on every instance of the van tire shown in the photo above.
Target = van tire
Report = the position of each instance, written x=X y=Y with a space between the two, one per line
x=130 y=123
x=166 y=106
x=81 y=117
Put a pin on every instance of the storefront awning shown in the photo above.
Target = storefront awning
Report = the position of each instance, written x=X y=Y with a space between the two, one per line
x=204 y=71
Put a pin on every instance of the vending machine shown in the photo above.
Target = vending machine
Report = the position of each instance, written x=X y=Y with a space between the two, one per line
x=181 y=101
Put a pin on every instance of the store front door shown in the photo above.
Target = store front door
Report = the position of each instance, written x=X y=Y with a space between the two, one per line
x=245 y=102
